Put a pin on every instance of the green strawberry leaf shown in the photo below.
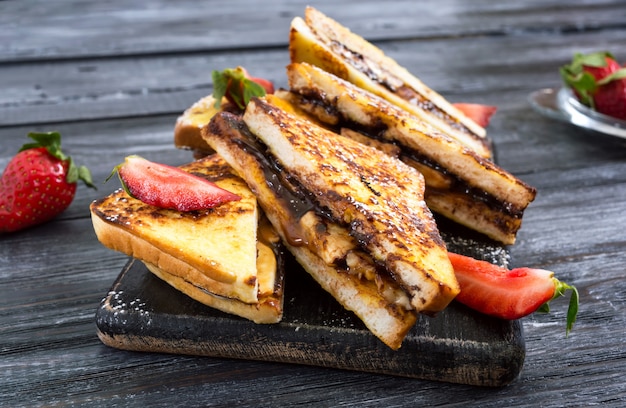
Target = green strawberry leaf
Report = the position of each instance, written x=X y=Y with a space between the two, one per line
x=116 y=170
x=617 y=75
x=234 y=84
x=572 y=310
x=582 y=82
x=72 y=172
x=85 y=175
x=220 y=85
x=250 y=90
x=594 y=59
x=52 y=142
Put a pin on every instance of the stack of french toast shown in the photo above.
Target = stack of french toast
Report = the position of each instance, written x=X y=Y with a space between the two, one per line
x=344 y=169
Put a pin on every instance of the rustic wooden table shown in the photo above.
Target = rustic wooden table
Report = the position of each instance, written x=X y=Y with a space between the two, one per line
x=113 y=76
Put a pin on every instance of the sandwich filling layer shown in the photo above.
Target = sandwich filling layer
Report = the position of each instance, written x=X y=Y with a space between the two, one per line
x=461 y=185
x=378 y=199
x=321 y=41
x=324 y=248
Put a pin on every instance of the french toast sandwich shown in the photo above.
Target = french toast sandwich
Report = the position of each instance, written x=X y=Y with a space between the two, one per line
x=460 y=184
x=319 y=40
x=353 y=216
x=227 y=257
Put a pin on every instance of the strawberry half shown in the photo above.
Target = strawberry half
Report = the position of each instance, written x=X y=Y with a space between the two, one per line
x=481 y=114
x=598 y=81
x=509 y=294
x=38 y=183
x=238 y=86
x=169 y=187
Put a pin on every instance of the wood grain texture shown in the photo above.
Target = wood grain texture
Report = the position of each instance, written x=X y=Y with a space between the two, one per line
x=114 y=88
x=78 y=28
x=70 y=90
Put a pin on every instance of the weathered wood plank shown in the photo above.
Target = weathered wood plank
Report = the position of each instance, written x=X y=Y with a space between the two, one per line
x=565 y=202
x=80 y=28
x=53 y=277
x=463 y=69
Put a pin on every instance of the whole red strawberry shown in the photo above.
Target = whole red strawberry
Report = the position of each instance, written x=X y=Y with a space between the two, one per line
x=598 y=81
x=610 y=99
x=38 y=183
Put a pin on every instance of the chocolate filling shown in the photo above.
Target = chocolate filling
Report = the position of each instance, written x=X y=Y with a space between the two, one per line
x=295 y=198
x=377 y=132
x=394 y=84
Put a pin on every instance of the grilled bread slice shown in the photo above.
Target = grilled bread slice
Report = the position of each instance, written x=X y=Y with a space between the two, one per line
x=320 y=40
x=379 y=197
x=188 y=128
x=270 y=274
x=187 y=131
x=324 y=248
x=211 y=255
x=460 y=184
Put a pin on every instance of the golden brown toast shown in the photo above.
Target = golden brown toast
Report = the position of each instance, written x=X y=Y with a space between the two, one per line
x=322 y=41
x=379 y=197
x=324 y=248
x=460 y=184
x=213 y=250
x=269 y=308
x=188 y=128
x=187 y=131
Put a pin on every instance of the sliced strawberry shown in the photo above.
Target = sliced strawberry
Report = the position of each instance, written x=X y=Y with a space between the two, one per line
x=238 y=87
x=169 y=187
x=481 y=114
x=508 y=294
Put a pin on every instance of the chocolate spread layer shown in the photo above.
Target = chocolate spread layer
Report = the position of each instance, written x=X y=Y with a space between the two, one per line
x=456 y=183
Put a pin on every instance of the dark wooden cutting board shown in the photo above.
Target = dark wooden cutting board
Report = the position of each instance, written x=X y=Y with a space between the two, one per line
x=143 y=313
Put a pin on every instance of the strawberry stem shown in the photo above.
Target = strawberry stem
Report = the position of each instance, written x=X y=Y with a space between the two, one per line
x=51 y=141
x=116 y=170
x=572 y=310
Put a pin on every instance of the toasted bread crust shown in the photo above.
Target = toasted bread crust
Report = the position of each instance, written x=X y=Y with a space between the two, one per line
x=188 y=128
x=455 y=172
x=187 y=131
x=215 y=248
x=321 y=41
x=388 y=320
x=268 y=309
